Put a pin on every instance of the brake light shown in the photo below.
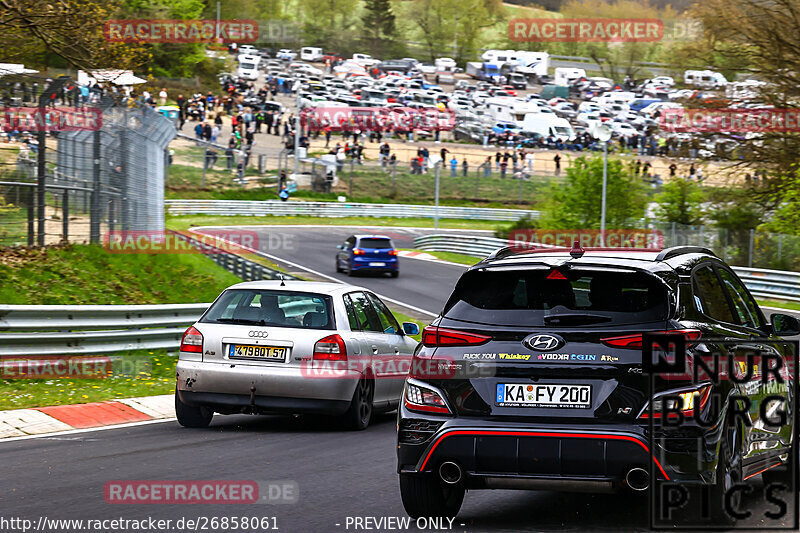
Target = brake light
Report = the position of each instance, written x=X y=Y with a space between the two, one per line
x=330 y=348
x=392 y=252
x=436 y=336
x=685 y=401
x=633 y=342
x=192 y=341
x=358 y=251
x=419 y=398
x=555 y=274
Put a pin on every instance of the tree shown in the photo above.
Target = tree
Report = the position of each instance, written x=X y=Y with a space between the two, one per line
x=681 y=202
x=576 y=204
x=380 y=31
x=70 y=30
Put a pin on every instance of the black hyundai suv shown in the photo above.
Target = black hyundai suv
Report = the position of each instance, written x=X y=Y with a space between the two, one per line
x=533 y=377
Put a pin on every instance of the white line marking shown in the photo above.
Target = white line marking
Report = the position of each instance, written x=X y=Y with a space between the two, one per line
x=87 y=430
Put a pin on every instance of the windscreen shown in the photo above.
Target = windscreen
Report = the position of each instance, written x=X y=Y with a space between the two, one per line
x=255 y=307
x=536 y=298
x=246 y=66
x=376 y=244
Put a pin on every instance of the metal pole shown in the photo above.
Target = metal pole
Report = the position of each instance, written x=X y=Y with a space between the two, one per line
x=605 y=186
x=350 y=185
x=65 y=216
x=477 y=179
x=31 y=208
x=205 y=165
x=40 y=186
x=297 y=136
x=750 y=251
x=438 y=166
x=94 y=217
x=217 y=22
x=394 y=179
x=520 y=187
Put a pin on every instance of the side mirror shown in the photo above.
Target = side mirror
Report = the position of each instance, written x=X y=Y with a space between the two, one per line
x=410 y=328
x=785 y=325
x=340 y=247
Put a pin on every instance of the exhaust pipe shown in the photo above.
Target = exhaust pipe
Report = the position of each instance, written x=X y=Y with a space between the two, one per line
x=450 y=472
x=638 y=479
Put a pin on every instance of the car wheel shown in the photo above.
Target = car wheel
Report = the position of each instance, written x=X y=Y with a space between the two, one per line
x=338 y=268
x=359 y=414
x=729 y=474
x=190 y=416
x=395 y=274
x=425 y=495
x=349 y=269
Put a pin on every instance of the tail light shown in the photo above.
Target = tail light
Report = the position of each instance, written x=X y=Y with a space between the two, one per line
x=330 y=348
x=683 y=400
x=392 y=252
x=435 y=336
x=358 y=251
x=421 y=398
x=192 y=341
x=634 y=342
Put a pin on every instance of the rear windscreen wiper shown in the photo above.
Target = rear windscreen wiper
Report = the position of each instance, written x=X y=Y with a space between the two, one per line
x=567 y=319
x=241 y=321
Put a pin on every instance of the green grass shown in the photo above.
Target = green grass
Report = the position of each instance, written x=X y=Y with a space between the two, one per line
x=452 y=257
x=153 y=373
x=13 y=225
x=90 y=275
x=188 y=221
x=780 y=305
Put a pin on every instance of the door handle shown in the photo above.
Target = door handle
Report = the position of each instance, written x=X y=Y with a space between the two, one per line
x=374 y=349
x=396 y=350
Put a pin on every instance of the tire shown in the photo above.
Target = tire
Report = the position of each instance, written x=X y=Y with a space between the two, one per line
x=338 y=268
x=190 y=416
x=395 y=274
x=425 y=495
x=349 y=269
x=729 y=473
x=359 y=414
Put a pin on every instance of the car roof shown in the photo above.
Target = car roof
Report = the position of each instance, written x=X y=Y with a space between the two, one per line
x=678 y=258
x=371 y=236
x=318 y=287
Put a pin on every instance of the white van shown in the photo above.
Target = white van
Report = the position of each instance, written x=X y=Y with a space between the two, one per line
x=248 y=67
x=565 y=76
x=510 y=109
x=445 y=63
x=546 y=124
x=707 y=79
x=311 y=53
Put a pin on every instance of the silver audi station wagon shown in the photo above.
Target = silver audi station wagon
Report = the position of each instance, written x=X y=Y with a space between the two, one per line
x=294 y=347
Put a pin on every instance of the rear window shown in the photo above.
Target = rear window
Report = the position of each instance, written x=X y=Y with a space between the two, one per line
x=380 y=244
x=272 y=308
x=528 y=298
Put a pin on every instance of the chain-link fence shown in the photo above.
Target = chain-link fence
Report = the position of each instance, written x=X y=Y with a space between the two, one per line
x=77 y=161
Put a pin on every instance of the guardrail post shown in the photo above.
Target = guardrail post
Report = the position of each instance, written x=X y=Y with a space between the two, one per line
x=752 y=245
x=31 y=207
x=40 y=186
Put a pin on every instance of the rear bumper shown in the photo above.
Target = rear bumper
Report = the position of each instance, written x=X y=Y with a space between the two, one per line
x=274 y=388
x=500 y=454
x=361 y=264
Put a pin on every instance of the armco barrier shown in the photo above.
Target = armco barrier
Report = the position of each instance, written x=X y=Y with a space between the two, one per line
x=762 y=283
x=28 y=329
x=338 y=210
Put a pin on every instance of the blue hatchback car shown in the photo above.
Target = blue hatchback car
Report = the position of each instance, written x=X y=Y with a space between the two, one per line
x=367 y=253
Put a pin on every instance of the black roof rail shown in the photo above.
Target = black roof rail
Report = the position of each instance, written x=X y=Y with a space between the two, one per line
x=669 y=253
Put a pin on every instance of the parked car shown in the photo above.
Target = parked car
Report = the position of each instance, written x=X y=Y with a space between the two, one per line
x=293 y=347
x=367 y=253
x=535 y=380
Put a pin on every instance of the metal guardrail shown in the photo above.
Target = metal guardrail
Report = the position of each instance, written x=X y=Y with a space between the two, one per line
x=338 y=210
x=762 y=283
x=28 y=329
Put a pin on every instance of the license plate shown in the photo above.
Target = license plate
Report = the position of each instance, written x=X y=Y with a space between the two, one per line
x=272 y=353
x=377 y=264
x=544 y=395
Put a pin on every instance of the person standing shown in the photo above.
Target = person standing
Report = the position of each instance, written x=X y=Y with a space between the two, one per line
x=162 y=97
x=453 y=167
x=503 y=168
x=557 y=161
x=464 y=167
x=487 y=167
x=672 y=169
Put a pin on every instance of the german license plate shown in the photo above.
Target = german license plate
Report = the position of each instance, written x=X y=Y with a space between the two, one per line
x=544 y=395
x=272 y=353
x=377 y=264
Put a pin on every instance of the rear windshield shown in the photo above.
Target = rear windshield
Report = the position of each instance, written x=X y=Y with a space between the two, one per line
x=528 y=298
x=272 y=308
x=376 y=243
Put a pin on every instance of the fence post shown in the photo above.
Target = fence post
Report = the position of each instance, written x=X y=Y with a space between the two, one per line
x=40 y=186
x=780 y=246
x=31 y=207
x=394 y=179
x=477 y=179
x=65 y=216
x=350 y=185
x=94 y=215
x=520 y=187
x=750 y=251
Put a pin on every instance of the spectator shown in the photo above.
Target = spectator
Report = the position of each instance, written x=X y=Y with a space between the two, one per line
x=487 y=167
x=465 y=167
x=162 y=97
x=453 y=167
x=672 y=169
x=557 y=161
